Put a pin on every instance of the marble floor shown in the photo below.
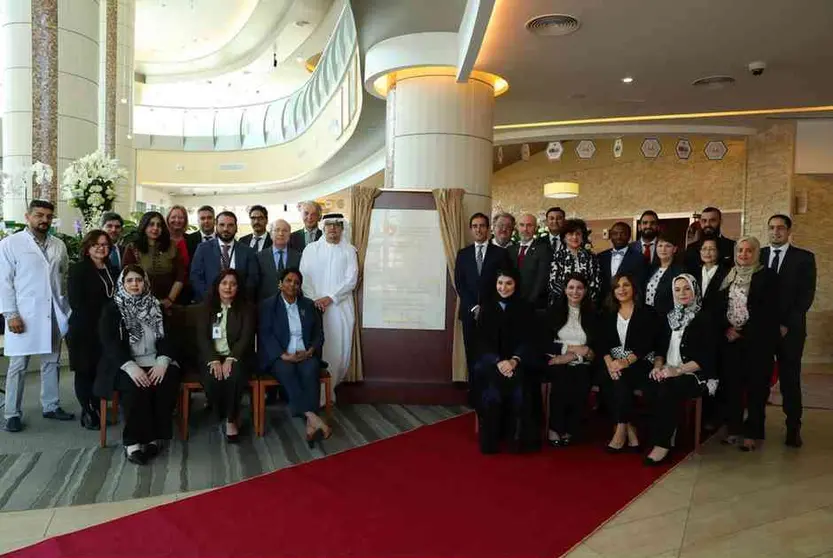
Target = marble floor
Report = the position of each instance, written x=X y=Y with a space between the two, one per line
x=775 y=502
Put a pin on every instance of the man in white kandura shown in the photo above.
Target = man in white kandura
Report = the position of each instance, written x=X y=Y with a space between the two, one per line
x=330 y=268
x=33 y=266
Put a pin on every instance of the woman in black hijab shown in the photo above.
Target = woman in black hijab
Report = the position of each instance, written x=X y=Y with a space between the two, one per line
x=504 y=386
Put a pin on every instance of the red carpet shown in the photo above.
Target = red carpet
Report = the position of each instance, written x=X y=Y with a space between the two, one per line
x=425 y=493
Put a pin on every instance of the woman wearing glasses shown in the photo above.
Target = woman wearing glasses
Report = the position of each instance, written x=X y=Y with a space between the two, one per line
x=90 y=286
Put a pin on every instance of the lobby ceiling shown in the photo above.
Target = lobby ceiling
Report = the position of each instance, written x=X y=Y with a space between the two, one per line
x=664 y=46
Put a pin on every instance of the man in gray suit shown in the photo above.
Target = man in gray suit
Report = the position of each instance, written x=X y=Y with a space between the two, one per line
x=532 y=259
x=275 y=259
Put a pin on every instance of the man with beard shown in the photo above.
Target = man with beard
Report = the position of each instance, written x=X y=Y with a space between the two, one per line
x=33 y=267
x=224 y=253
x=646 y=244
x=710 y=220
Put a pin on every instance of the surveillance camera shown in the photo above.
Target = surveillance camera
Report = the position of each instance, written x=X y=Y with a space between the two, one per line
x=757 y=68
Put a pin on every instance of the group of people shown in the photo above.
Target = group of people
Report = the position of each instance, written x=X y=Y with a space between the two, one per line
x=635 y=318
x=263 y=304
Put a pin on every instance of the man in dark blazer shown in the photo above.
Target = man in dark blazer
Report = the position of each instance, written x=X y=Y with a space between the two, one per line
x=532 y=259
x=475 y=278
x=646 y=243
x=621 y=258
x=210 y=258
x=273 y=261
x=259 y=240
x=206 y=233
x=311 y=214
x=796 y=269
x=710 y=220
x=113 y=224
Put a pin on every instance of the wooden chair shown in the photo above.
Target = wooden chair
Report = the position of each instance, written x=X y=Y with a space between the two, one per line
x=695 y=407
x=190 y=384
x=102 y=410
x=267 y=381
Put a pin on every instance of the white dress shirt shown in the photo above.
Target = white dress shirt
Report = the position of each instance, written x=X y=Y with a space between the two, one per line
x=552 y=238
x=652 y=244
x=296 y=330
x=622 y=328
x=674 y=358
x=706 y=276
x=231 y=250
x=257 y=242
x=616 y=259
x=783 y=253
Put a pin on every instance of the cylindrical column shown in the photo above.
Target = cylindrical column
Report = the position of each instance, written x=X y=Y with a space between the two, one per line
x=442 y=135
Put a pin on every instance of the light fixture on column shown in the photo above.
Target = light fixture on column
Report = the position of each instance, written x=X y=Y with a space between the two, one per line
x=560 y=190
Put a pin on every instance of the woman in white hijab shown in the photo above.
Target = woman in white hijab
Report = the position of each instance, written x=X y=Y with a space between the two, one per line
x=684 y=365
x=750 y=303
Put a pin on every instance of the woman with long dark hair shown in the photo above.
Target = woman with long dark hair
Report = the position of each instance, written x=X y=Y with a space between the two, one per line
x=90 y=286
x=154 y=251
x=572 y=328
x=225 y=340
x=505 y=392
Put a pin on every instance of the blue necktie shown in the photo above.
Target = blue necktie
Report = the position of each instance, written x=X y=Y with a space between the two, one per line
x=114 y=258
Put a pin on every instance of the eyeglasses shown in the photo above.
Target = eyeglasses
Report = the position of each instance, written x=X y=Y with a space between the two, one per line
x=101 y=245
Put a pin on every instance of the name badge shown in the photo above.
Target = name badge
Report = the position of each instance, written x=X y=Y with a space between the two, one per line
x=216 y=332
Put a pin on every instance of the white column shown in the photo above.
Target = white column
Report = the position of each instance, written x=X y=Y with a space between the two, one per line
x=17 y=103
x=124 y=151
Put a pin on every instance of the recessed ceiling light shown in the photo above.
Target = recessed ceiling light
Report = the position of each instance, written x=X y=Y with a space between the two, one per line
x=627 y=79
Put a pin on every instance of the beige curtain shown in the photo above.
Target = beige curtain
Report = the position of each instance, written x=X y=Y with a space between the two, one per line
x=361 y=206
x=450 y=207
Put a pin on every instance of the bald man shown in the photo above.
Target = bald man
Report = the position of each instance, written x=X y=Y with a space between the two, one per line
x=532 y=259
x=279 y=257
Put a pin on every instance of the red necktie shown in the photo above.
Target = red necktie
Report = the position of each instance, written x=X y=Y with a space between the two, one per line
x=521 y=255
x=646 y=253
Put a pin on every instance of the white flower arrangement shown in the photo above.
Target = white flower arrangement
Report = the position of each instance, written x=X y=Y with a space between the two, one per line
x=90 y=184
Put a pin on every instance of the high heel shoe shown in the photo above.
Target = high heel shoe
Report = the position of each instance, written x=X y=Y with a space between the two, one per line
x=615 y=451
x=316 y=436
x=652 y=463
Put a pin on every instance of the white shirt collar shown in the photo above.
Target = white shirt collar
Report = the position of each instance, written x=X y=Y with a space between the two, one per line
x=478 y=244
x=783 y=249
x=204 y=236
x=651 y=243
x=619 y=251
x=289 y=304
x=221 y=243
x=527 y=243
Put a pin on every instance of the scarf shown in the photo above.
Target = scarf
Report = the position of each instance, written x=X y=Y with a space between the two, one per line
x=680 y=316
x=137 y=310
x=741 y=276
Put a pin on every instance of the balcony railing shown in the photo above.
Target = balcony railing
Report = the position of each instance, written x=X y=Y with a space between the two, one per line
x=336 y=77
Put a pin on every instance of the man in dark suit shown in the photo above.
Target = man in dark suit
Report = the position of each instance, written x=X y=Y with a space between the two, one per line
x=311 y=214
x=475 y=278
x=205 y=216
x=113 y=224
x=273 y=261
x=504 y=224
x=646 y=244
x=224 y=253
x=796 y=269
x=621 y=258
x=710 y=221
x=532 y=259
x=259 y=239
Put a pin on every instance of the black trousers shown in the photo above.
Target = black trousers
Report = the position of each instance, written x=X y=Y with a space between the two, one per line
x=84 y=379
x=224 y=395
x=568 y=396
x=789 y=353
x=507 y=408
x=666 y=398
x=618 y=394
x=148 y=411
x=747 y=369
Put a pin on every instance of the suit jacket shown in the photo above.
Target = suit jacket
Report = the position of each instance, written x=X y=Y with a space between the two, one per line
x=247 y=240
x=796 y=287
x=502 y=334
x=664 y=298
x=640 y=336
x=761 y=329
x=298 y=239
x=115 y=343
x=192 y=241
x=534 y=272
x=205 y=267
x=240 y=333
x=698 y=344
x=87 y=295
x=726 y=247
x=711 y=296
x=273 y=329
x=636 y=245
x=473 y=288
x=633 y=263
x=269 y=272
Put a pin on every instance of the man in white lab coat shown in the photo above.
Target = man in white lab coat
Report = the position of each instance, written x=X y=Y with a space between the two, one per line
x=33 y=265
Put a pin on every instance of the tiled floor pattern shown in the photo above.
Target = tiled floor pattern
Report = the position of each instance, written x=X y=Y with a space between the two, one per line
x=776 y=502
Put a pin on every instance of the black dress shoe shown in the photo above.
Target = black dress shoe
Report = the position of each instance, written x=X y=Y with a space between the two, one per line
x=137 y=457
x=59 y=414
x=554 y=443
x=613 y=451
x=151 y=450
x=793 y=439
x=13 y=424
x=90 y=420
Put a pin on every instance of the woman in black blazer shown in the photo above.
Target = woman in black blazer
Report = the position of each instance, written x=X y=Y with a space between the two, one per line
x=137 y=363
x=657 y=287
x=684 y=365
x=625 y=343
x=710 y=274
x=750 y=320
x=225 y=342
x=90 y=286
x=572 y=329
x=504 y=390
